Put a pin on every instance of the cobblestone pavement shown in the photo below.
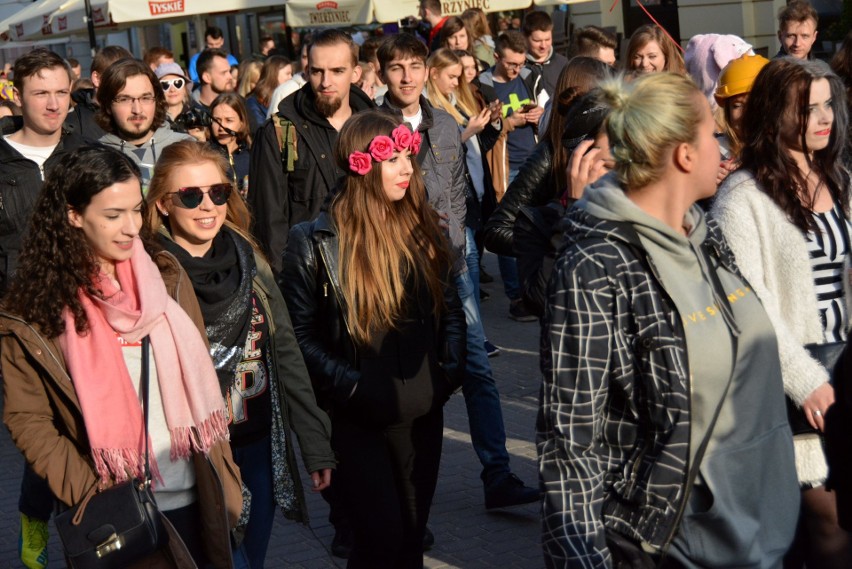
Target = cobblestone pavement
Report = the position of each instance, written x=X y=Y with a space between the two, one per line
x=466 y=536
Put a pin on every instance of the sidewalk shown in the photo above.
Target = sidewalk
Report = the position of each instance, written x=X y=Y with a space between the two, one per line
x=466 y=536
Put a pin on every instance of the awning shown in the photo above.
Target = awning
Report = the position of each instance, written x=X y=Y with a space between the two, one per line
x=48 y=18
x=318 y=13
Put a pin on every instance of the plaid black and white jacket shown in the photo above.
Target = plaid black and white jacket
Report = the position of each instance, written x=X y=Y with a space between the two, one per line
x=614 y=424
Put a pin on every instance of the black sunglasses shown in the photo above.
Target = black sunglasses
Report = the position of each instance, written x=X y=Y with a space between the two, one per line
x=191 y=197
x=166 y=83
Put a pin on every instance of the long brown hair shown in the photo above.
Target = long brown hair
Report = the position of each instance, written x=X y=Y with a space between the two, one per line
x=645 y=35
x=383 y=244
x=189 y=152
x=781 y=93
x=581 y=75
x=268 y=81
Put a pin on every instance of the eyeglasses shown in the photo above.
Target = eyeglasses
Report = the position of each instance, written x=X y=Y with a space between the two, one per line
x=125 y=101
x=177 y=83
x=191 y=197
x=509 y=65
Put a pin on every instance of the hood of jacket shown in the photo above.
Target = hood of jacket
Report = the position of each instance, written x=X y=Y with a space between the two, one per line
x=606 y=200
x=86 y=98
x=163 y=136
x=532 y=61
x=302 y=103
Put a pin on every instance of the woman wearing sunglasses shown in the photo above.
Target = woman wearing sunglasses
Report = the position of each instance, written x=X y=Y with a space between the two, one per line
x=261 y=372
x=231 y=137
x=72 y=327
x=383 y=334
x=174 y=84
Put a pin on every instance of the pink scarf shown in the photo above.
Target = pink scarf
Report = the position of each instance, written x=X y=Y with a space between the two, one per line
x=194 y=408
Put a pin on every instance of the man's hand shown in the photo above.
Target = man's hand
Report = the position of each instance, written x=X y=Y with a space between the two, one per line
x=534 y=115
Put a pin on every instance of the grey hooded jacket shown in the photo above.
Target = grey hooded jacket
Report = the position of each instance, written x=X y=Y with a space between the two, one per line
x=442 y=163
x=146 y=154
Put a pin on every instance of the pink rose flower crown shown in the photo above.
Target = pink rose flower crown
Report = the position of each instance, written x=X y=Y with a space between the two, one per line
x=382 y=148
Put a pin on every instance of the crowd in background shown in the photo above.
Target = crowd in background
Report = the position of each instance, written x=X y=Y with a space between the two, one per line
x=301 y=243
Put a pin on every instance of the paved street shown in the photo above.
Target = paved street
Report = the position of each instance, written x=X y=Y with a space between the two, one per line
x=466 y=536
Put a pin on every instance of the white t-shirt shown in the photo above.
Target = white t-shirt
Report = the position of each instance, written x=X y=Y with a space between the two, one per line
x=415 y=119
x=38 y=154
x=178 y=486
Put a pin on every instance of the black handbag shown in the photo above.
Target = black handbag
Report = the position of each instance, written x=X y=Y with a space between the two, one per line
x=121 y=525
x=828 y=355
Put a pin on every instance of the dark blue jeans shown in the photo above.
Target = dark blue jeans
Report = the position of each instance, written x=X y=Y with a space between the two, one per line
x=255 y=462
x=484 y=414
x=36 y=500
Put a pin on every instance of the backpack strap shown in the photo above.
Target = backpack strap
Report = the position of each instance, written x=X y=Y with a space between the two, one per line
x=285 y=133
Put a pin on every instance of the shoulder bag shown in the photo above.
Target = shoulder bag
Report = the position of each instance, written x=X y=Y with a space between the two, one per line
x=119 y=526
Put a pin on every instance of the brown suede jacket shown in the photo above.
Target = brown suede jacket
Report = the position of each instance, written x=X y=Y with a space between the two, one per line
x=43 y=415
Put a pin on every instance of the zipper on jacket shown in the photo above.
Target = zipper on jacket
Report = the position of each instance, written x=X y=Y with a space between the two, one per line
x=325 y=289
x=689 y=463
x=340 y=303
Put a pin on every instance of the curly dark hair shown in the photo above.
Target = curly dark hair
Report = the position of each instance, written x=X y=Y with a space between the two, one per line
x=765 y=145
x=56 y=259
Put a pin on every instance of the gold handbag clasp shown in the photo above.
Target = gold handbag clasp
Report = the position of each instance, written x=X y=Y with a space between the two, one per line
x=112 y=543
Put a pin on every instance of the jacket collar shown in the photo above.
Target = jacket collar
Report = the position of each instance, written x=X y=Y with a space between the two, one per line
x=532 y=61
x=428 y=120
x=302 y=104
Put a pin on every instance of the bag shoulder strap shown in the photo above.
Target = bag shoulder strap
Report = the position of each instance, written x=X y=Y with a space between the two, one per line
x=146 y=348
x=285 y=133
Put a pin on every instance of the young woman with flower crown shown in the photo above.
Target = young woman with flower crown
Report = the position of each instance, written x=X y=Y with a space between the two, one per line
x=382 y=331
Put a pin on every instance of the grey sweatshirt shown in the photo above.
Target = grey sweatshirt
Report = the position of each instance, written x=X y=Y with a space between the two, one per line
x=744 y=505
x=145 y=155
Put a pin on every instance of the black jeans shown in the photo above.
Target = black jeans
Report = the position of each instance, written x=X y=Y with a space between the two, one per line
x=387 y=473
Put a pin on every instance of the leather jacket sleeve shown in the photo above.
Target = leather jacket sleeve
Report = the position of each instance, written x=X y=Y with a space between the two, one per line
x=267 y=196
x=333 y=377
x=453 y=336
x=537 y=240
x=532 y=187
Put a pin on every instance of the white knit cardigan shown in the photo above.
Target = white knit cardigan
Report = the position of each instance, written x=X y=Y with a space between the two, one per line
x=772 y=254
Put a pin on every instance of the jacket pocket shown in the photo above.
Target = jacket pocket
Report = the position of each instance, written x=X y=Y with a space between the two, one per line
x=745 y=509
x=445 y=154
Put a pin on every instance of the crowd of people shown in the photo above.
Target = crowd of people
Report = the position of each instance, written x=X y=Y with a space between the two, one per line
x=300 y=245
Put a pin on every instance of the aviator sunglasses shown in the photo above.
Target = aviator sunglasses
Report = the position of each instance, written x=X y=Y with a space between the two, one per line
x=177 y=83
x=191 y=197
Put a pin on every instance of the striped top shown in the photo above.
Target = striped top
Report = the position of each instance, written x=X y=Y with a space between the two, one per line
x=827 y=248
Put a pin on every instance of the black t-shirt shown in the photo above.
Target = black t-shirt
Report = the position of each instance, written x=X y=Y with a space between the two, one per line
x=249 y=398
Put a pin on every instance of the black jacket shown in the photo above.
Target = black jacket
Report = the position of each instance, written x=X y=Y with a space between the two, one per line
x=81 y=119
x=280 y=199
x=238 y=163
x=838 y=445
x=310 y=279
x=549 y=69
x=20 y=185
x=533 y=186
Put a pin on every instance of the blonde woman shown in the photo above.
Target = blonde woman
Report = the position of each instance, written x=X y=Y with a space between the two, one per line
x=203 y=222
x=480 y=126
x=382 y=332
x=649 y=442
x=651 y=50
x=248 y=76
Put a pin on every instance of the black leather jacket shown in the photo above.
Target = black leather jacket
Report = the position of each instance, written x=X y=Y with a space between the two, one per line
x=533 y=186
x=310 y=280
